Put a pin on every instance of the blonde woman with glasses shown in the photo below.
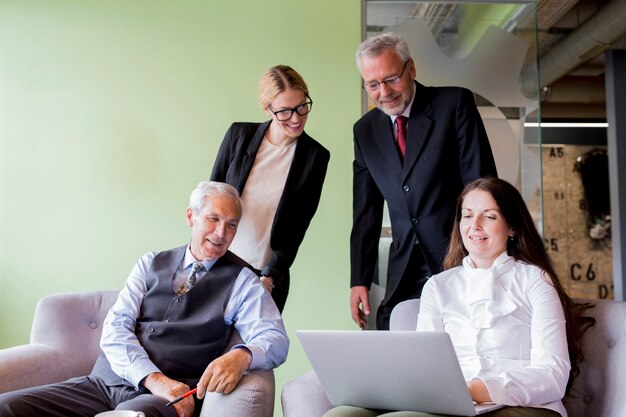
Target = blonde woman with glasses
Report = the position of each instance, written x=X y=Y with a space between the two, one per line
x=279 y=171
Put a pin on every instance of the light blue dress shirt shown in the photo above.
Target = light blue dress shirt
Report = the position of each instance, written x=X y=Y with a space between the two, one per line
x=250 y=309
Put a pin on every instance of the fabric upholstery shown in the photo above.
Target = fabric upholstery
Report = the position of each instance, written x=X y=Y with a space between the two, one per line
x=304 y=397
x=597 y=392
x=404 y=315
x=64 y=343
x=253 y=397
x=599 y=389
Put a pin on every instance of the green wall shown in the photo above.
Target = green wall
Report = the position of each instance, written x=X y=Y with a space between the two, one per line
x=112 y=111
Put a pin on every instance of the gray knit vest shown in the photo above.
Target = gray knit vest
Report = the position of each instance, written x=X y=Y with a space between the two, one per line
x=182 y=334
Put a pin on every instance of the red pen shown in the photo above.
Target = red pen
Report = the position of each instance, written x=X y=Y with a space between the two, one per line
x=182 y=397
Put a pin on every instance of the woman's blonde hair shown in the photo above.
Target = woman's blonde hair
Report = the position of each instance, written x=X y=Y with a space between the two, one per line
x=276 y=80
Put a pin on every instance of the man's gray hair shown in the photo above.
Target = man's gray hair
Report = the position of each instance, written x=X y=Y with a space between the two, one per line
x=378 y=44
x=205 y=189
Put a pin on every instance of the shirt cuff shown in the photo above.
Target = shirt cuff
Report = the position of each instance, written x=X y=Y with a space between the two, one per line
x=258 y=355
x=495 y=389
x=136 y=373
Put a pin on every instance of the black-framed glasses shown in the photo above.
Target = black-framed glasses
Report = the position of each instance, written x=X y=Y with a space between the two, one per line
x=375 y=85
x=286 y=114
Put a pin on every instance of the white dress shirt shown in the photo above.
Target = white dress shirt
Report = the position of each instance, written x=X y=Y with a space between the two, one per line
x=250 y=309
x=508 y=329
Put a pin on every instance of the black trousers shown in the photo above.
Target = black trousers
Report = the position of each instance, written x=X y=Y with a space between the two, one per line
x=83 y=396
x=410 y=287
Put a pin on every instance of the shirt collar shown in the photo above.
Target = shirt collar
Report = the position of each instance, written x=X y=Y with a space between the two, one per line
x=486 y=294
x=189 y=260
x=503 y=258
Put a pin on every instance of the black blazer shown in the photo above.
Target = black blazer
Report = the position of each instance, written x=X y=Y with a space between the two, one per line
x=300 y=197
x=447 y=147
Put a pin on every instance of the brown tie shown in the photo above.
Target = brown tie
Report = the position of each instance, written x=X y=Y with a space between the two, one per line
x=191 y=281
x=401 y=126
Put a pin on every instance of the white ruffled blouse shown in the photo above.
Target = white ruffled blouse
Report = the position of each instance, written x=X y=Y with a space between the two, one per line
x=508 y=329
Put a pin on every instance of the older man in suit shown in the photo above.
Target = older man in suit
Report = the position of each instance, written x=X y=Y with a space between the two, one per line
x=415 y=151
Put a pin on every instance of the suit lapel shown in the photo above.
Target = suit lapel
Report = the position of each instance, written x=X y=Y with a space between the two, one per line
x=386 y=142
x=418 y=130
x=298 y=165
x=248 y=159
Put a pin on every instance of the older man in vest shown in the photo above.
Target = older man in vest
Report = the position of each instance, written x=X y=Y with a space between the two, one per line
x=167 y=331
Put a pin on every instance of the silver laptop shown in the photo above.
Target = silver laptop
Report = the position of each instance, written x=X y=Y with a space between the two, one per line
x=390 y=370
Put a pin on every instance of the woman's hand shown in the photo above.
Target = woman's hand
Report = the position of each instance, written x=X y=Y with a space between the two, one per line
x=478 y=391
x=268 y=283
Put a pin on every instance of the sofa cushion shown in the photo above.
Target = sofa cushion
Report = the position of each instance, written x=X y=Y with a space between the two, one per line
x=599 y=389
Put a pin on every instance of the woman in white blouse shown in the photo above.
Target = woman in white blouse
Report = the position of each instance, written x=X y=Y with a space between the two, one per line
x=514 y=329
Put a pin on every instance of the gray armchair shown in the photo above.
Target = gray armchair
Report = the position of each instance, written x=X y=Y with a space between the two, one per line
x=65 y=340
x=598 y=391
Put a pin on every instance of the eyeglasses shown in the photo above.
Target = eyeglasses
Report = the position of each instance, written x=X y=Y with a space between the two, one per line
x=375 y=85
x=286 y=114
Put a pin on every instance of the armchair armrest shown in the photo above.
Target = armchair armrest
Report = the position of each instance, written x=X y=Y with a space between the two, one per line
x=304 y=397
x=29 y=365
x=64 y=341
x=254 y=396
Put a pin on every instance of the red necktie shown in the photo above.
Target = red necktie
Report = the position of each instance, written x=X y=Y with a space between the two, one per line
x=401 y=126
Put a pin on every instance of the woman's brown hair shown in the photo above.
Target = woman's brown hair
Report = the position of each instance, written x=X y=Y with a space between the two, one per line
x=526 y=246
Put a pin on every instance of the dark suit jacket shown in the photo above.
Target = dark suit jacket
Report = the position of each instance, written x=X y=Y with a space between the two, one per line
x=300 y=197
x=447 y=147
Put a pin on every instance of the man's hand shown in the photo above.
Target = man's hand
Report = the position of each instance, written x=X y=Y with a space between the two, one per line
x=360 y=305
x=167 y=388
x=224 y=373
